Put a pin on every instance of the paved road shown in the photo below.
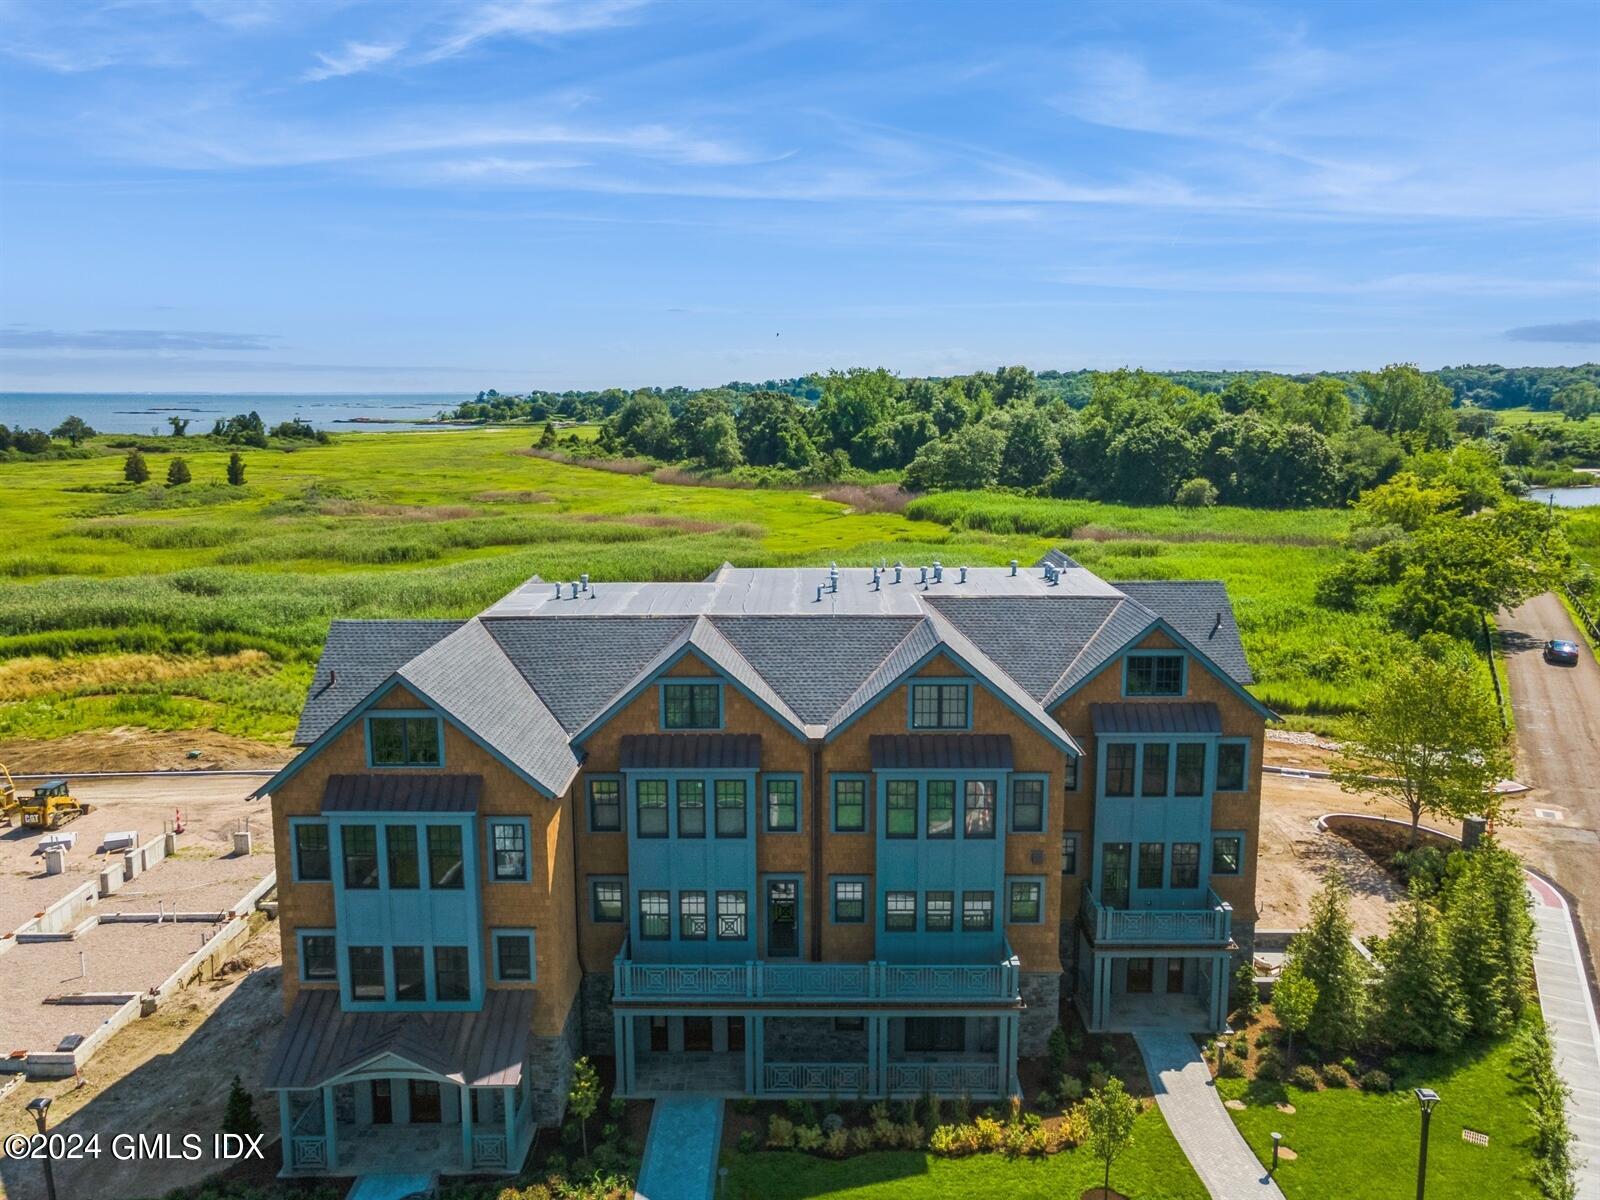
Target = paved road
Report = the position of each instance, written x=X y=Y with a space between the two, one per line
x=1558 y=752
x=1569 y=1014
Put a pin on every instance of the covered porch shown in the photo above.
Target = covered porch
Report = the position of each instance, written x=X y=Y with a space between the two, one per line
x=388 y=1092
x=1182 y=988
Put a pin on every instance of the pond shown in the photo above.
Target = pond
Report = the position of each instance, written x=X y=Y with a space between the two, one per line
x=1566 y=497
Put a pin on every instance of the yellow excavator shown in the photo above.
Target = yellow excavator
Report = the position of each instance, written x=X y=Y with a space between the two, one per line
x=8 y=797
x=51 y=806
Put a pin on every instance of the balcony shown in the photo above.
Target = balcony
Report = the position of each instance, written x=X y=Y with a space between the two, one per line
x=1210 y=924
x=758 y=982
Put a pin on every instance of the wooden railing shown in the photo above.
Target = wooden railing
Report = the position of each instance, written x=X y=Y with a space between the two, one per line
x=1210 y=924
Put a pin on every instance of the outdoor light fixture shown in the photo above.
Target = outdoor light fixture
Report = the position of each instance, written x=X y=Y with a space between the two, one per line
x=1427 y=1098
x=39 y=1106
x=1277 y=1140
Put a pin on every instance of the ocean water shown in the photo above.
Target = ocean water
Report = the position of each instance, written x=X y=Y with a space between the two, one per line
x=142 y=412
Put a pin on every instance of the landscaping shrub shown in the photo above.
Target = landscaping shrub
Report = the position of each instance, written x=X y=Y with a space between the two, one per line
x=1303 y=1077
x=1075 y=1125
x=1554 y=1170
x=1335 y=1075
x=1056 y=1051
x=989 y=1133
x=1376 y=1081
x=1269 y=1067
x=1070 y=1088
x=1045 y=1099
x=836 y=1144
x=748 y=1142
x=1230 y=1068
x=808 y=1137
x=861 y=1138
x=744 y=1106
x=780 y=1133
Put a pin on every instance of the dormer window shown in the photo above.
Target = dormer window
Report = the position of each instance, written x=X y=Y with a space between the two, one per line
x=939 y=705
x=691 y=706
x=411 y=741
x=1154 y=675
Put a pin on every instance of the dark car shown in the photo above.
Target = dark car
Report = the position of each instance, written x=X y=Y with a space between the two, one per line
x=1561 y=653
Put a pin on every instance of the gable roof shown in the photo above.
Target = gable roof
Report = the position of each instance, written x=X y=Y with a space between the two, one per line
x=356 y=658
x=1200 y=610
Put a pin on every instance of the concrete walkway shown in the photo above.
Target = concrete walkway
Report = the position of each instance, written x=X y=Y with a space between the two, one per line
x=680 y=1155
x=393 y=1186
x=1194 y=1112
x=1574 y=1034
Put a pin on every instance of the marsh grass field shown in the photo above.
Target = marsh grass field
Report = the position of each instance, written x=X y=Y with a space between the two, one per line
x=204 y=606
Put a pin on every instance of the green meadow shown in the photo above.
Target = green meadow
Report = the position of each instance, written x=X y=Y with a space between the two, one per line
x=203 y=606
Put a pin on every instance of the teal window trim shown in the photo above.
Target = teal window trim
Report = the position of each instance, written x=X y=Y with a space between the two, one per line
x=1203 y=778
x=494 y=875
x=300 y=947
x=900 y=910
x=694 y=917
x=383 y=714
x=439 y=876
x=688 y=681
x=330 y=850
x=1044 y=803
x=621 y=803
x=1198 y=849
x=864 y=882
x=742 y=808
x=660 y=910
x=1244 y=767
x=977 y=911
x=1103 y=773
x=999 y=813
x=347 y=856
x=767 y=781
x=665 y=809
x=938 y=681
x=866 y=801
x=732 y=915
x=946 y=919
x=765 y=885
x=1034 y=881
x=620 y=882
x=1216 y=836
x=1073 y=777
x=683 y=804
x=1183 y=672
x=902 y=801
x=495 y=934
x=1150 y=871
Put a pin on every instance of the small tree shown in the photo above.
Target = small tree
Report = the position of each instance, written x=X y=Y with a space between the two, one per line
x=1419 y=993
x=134 y=468
x=1246 y=999
x=547 y=439
x=177 y=472
x=1198 y=492
x=240 y=1117
x=1429 y=737
x=583 y=1097
x=236 y=469
x=1111 y=1113
x=180 y=426
x=1294 y=999
x=73 y=429
x=1325 y=954
x=1488 y=935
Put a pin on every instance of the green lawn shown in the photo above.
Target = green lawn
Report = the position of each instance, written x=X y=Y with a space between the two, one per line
x=205 y=605
x=1153 y=1169
x=1360 y=1146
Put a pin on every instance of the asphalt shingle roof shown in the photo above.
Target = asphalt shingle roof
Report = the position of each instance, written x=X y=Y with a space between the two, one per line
x=356 y=658
x=1193 y=607
x=1032 y=641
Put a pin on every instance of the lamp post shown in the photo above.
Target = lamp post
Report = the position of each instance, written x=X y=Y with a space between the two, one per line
x=39 y=1106
x=1277 y=1140
x=1427 y=1098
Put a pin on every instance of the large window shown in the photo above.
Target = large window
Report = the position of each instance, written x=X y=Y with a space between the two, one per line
x=849 y=805
x=1185 y=864
x=1025 y=902
x=1069 y=853
x=731 y=915
x=400 y=841
x=360 y=846
x=607 y=896
x=366 y=973
x=939 y=908
x=692 y=916
x=849 y=902
x=1153 y=781
x=691 y=705
x=655 y=916
x=1231 y=758
x=513 y=957
x=446 y=869
x=605 y=805
x=318 y=957
x=650 y=800
x=730 y=808
x=410 y=979
x=900 y=912
x=1227 y=854
x=936 y=1035
x=510 y=841
x=941 y=808
x=783 y=805
x=900 y=821
x=311 y=853
x=404 y=741
x=1027 y=805
x=1119 y=769
x=451 y=979
x=691 y=808
x=977 y=912
x=1152 y=860
x=980 y=808
x=1155 y=675
x=939 y=705
x=1191 y=772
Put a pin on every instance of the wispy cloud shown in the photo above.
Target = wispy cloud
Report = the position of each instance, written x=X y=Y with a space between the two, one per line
x=1567 y=333
x=530 y=19
x=18 y=337
x=353 y=58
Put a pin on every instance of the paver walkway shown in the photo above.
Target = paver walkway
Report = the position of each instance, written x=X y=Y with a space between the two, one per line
x=392 y=1186
x=1194 y=1113
x=680 y=1155
x=1574 y=1034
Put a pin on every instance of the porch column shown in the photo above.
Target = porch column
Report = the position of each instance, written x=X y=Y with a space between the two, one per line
x=874 y=1035
x=757 y=1041
x=286 y=1126
x=332 y=1128
x=466 y=1126
x=621 y=1028
x=509 y=1103
x=1219 y=992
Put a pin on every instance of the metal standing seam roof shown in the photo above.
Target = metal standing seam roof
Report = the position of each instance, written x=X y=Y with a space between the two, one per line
x=435 y=793
x=320 y=1042
x=1156 y=717
x=690 y=751
x=940 y=751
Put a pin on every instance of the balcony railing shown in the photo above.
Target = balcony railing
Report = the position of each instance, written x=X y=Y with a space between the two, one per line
x=944 y=1079
x=1208 y=924
x=767 y=982
x=814 y=1079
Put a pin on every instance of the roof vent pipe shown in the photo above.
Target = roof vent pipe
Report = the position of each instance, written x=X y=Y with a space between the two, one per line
x=819 y=593
x=1013 y=566
x=574 y=589
x=1218 y=625
x=877 y=583
x=938 y=571
x=897 y=568
x=922 y=576
x=833 y=583
x=584 y=579
x=558 y=591
x=963 y=574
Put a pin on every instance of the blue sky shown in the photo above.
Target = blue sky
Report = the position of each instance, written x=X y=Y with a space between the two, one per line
x=285 y=195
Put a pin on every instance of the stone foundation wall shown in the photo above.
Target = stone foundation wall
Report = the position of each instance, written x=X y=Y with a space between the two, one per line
x=812 y=1039
x=1041 y=992
x=594 y=999
x=549 y=1068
